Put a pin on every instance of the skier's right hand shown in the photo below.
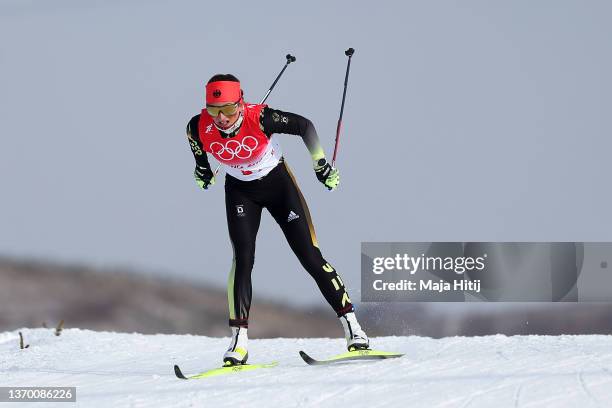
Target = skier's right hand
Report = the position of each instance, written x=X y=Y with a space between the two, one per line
x=204 y=177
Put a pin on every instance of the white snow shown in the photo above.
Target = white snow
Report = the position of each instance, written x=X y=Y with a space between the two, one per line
x=134 y=370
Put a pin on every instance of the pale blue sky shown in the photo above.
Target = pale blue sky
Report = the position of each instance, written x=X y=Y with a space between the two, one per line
x=476 y=120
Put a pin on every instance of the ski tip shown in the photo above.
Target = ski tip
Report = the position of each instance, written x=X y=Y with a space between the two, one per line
x=307 y=359
x=179 y=373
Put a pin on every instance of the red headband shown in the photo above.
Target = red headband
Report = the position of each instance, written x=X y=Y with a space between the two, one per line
x=223 y=92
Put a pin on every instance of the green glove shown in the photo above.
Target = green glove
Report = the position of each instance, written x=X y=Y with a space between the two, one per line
x=204 y=177
x=327 y=174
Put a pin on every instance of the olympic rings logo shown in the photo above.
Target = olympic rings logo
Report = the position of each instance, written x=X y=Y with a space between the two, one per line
x=235 y=149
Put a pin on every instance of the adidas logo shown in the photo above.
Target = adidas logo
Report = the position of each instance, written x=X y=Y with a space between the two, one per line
x=292 y=216
x=208 y=128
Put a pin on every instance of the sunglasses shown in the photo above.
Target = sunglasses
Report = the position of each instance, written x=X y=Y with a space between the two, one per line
x=227 y=110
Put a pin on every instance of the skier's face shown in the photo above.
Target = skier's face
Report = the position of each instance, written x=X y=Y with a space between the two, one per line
x=224 y=115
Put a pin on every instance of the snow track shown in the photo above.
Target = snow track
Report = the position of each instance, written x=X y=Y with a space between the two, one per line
x=134 y=370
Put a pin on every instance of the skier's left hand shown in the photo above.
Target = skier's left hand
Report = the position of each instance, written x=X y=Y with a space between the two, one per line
x=327 y=174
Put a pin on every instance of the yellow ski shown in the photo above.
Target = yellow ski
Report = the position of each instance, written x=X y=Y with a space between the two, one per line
x=351 y=355
x=222 y=370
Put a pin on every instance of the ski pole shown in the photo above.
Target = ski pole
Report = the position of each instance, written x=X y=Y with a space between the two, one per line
x=290 y=59
x=349 y=53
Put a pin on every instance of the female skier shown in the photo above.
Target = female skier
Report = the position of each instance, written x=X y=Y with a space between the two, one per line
x=241 y=137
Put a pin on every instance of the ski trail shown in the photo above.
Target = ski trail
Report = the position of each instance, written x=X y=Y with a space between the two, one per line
x=606 y=370
x=499 y=383
x=580 y=377
x=322 y=400
x=585 y=389
x=87 y=372
x=493 y=387
x=438 y=352
x=517 y=395
x=502 y=355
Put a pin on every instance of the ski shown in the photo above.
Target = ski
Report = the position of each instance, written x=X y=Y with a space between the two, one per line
x=222 y=370
x=351 y=355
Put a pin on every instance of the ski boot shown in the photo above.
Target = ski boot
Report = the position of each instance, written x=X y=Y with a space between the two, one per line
x=237 y=353
x=356 y=339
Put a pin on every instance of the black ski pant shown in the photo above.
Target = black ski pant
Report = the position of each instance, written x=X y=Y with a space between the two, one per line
x=280 y=195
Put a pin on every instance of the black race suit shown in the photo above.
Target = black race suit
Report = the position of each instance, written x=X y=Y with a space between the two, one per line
x=279 y=194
